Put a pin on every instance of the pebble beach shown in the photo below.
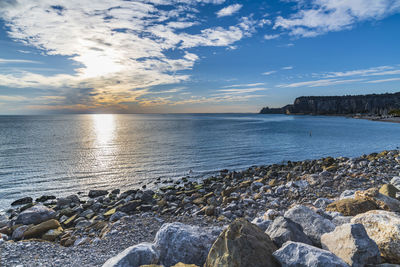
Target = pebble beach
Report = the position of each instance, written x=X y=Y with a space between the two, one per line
x=276 y=209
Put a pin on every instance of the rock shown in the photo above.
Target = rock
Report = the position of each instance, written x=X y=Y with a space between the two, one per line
x=384 y=228
x=300 y=254
x=45 y=198
x=339 y=220
x=116 y=216
x=178 y=242
x=81 y=241
x=242 y=244
x=147 y=196
x=347 y=194
x=382 y=201
x=40 y=229
x=322 y=203
x=35 y=215
x=52 y=234
x=271 y=214
x=3 y=221
x=389 y=190
x=18 y=233
x=22 y=201
x=70 y=220
x=83 y=224
x=351 y=243
x=67 y=201
x=130 y=207
x=396 y=182
x=261 y=223
x=110 y=212
x=135 y=256
x=97 y=193
x=209 y=210
x=352 y=207
x=284 y=229
x=180 y=264
x=314 y=225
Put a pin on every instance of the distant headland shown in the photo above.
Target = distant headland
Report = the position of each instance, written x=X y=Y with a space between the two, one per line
x=386 y=105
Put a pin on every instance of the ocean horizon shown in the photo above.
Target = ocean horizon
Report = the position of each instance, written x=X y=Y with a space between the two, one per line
x=66 y=154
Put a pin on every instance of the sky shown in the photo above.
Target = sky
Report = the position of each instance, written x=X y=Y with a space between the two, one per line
x=200 y=56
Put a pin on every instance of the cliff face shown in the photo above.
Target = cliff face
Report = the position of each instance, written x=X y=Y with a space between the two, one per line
x=342 y=105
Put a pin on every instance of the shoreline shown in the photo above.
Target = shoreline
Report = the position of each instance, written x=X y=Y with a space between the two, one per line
x=113 y=219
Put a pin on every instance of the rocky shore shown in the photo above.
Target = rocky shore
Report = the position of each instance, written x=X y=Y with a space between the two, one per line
x=326 y=212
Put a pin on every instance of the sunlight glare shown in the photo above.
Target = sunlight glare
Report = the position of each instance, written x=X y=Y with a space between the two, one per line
x=104 y=128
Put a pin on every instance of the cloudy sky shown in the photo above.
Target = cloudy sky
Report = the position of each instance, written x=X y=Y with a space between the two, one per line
x=192 y=55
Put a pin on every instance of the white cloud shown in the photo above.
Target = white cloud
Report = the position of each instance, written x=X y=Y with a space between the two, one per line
x=269 y=72
x=8 y=61
x=322 y=16
x=319 y=83
x=244 y=85
x=242 y=90
x=120 y=47
x=287 y=68
x=229 y=10
x=384 y=80
x=271 y=36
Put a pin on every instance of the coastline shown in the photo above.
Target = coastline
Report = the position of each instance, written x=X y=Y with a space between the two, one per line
x=378 y=118
x=99 y=227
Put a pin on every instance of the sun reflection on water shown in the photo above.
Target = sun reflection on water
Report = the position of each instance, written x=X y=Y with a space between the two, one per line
x=104 y=128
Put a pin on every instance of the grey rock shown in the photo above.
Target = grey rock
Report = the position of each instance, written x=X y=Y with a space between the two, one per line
x=130 y=207
x=314 y=225
x=83 y=224
x=351 y=243
x=300 y=254
x=67 y=201
x=97 y=193
x=22 y=201
x=339 y=220
x=179 y=242
x=396 y=182
x=261 y=223
x=322 y=202
x=135 y=256
x=284 y=229
x=116 y=216
x=18 y=233
x=35 y=215
x=347 y=194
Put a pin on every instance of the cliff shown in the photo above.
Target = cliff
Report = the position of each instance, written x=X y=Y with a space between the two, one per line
x=374 y=104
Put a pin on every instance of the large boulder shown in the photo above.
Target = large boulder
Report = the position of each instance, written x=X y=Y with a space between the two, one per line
x=242 y=244
x=35 y=215
x=389 y=190
x=384 y=228
x=382 y=201
x=352 y=207
x=314 y=225
x=179 y=242
x=284 y=229
x=396 y=182
x=135 y=256
x=300 y=254
x=351 y=243
x=42 y=228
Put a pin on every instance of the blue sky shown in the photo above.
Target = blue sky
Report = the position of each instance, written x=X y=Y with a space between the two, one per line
x=144 y=56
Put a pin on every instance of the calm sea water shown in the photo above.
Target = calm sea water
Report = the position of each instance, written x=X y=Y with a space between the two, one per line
x=66 y=154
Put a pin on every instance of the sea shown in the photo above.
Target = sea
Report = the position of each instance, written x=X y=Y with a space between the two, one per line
x=66 y=154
